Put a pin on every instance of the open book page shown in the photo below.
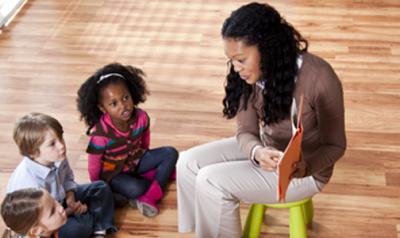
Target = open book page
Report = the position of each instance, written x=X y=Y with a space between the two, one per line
x=292 y=152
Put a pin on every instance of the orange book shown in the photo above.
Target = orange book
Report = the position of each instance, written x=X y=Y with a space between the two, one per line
x=292 y=152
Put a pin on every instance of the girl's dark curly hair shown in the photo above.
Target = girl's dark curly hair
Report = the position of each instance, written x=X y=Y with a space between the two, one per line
x=89 y=92
x=279 y=45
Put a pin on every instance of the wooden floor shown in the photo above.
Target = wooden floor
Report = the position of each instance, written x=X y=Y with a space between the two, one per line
x=51 y=47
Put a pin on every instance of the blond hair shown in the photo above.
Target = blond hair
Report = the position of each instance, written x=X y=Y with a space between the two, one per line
x=29 y=132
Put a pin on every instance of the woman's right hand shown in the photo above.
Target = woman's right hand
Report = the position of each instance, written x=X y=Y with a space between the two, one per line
x=268 y=158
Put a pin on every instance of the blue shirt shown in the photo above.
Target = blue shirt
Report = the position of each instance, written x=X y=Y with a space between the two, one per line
x=57 y=180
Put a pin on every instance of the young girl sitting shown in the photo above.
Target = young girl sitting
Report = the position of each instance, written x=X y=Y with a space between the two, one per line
x=118 y=150
x=32 y=212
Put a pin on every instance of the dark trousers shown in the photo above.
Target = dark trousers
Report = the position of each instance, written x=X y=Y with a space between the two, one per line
x=131 y=186
x=99 y=216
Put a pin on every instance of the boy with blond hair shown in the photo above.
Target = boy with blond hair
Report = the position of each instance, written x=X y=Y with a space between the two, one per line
x=89 y=207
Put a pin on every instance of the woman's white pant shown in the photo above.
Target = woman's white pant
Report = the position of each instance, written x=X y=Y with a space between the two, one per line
x=213 y=178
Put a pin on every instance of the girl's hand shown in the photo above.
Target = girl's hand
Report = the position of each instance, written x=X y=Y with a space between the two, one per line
x=268 y=158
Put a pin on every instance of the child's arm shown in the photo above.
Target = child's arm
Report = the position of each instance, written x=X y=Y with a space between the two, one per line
x=146 y=133
x=70 y=197
x=146 y=139
x=70 y=186
x=69 y=179
x=74 y=207
x=96 y=148
x=94 y=166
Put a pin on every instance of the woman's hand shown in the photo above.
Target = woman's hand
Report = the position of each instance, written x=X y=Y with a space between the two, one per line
x=268 y=158
x=299 y=169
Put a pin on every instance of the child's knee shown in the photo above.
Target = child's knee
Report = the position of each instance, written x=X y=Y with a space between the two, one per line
x=172 y=153
x=101 y=187
x=99 y=184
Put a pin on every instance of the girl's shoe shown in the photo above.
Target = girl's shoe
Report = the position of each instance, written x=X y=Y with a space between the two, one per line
x=147 y=203
x=146 y=209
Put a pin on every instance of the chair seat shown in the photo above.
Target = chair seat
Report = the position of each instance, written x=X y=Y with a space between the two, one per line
x=301 y=215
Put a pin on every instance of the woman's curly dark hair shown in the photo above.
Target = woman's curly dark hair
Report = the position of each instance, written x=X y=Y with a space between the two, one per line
x=89 y=92
x=279 y=45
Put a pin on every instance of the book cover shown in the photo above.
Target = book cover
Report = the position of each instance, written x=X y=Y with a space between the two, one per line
x=292 y=152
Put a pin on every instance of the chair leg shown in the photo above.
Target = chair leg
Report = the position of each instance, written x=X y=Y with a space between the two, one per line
x=254 y=221
x=297 y=223
x=308 y=212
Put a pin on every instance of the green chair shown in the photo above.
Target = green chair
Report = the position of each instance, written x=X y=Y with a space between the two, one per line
x=301 y=215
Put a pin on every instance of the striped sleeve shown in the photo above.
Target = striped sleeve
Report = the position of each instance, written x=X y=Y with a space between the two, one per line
x=146 y=139
x=96 y=148
x=146 y=132
x=97 y=145
x=141 y=128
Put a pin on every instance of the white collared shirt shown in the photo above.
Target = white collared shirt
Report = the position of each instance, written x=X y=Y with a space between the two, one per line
x=57 y=180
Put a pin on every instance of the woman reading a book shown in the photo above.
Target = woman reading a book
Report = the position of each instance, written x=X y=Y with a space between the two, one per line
x=269 y=68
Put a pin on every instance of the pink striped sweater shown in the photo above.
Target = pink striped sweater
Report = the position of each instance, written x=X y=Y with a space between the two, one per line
x=111 y=151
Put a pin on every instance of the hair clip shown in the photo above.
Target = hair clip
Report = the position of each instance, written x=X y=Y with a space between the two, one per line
x=109 y=75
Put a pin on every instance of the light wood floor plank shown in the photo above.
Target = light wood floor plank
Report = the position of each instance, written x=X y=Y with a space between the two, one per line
x=51 y=47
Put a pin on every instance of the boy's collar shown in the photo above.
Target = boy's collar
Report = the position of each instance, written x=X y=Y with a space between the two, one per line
x=40 y=169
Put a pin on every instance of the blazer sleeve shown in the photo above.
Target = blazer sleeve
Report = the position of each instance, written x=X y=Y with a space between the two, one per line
x=248 y=131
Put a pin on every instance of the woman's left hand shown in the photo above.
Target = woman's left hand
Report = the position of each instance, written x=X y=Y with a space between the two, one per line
x=299 y=169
